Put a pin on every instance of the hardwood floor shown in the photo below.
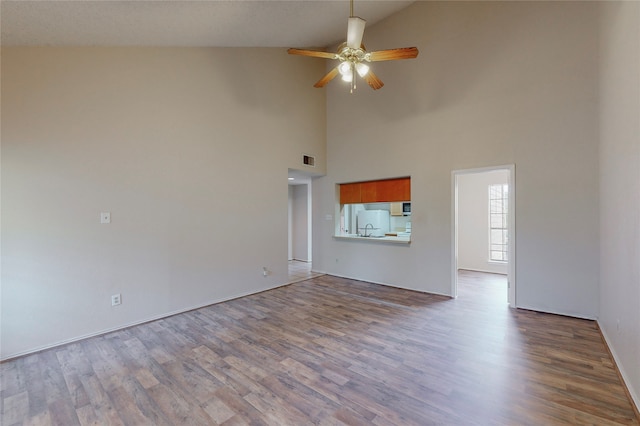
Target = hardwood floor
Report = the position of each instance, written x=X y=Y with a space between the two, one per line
x=329 y=351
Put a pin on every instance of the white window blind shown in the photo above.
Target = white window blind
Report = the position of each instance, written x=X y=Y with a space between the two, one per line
x=498 y=220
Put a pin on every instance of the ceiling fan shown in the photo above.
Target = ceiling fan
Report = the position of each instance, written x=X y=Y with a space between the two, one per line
x=353 y=57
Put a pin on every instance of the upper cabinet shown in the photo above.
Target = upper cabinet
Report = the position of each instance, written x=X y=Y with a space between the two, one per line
x=393 y=190
x=350 y=193
x=368 y=192
x=376 y=191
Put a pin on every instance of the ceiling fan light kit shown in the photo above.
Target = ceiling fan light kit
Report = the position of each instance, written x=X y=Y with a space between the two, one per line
x=353 y=57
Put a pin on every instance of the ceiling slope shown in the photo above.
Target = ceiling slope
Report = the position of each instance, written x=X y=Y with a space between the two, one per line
x=230 y=23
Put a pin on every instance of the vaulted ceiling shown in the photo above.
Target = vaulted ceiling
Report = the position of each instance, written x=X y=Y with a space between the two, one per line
x=229 y=23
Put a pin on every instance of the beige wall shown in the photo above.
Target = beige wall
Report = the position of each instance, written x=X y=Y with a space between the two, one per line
x=473 y=220
x=181 y=144
x=619 y=317
x=188 y=149
x=496 y=83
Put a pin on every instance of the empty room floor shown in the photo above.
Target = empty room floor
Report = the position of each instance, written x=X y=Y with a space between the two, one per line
x=300 y=271
x=330 y=351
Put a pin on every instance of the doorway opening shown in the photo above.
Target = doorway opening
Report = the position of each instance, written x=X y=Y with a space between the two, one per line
x=299 y=226
x=484 y=225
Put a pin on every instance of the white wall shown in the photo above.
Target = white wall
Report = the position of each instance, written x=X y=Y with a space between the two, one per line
x=290 y=224
x=179 y=145
x=495 y=83
x=301 y=222
x=619 y=317
x=473 y=220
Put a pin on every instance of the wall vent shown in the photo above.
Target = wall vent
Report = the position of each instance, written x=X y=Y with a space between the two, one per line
x=309 y=160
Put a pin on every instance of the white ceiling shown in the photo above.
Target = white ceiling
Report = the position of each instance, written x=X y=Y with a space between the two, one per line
x=229 y=23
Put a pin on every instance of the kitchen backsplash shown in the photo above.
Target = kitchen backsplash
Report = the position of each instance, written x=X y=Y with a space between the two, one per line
x=397 y=223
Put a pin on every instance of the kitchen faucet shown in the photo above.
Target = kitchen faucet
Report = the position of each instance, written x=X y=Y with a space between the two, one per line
x=367 y=227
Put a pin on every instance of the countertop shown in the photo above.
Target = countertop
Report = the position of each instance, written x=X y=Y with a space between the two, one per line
x=386 y=239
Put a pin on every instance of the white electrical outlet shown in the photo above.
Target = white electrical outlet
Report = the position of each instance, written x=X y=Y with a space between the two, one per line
x=116 y=299
x=105 y=217
x=265 y=272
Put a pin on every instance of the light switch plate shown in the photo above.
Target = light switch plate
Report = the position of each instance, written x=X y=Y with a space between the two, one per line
x=105 y=217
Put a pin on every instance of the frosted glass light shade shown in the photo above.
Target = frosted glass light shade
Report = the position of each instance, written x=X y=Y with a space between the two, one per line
x=345 y=68
x=362 y=69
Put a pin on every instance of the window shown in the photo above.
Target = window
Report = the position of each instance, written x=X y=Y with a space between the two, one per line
x=498 y=232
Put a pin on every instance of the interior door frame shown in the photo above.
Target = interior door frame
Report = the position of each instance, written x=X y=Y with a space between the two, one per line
x=292 y=212
x=511 y=268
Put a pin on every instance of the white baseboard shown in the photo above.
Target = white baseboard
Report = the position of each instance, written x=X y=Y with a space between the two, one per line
x=633 y=393
x=382 y=283
x=132 y=324
x=482 y=270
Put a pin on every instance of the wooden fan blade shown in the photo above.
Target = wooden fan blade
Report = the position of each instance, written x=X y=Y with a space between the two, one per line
x=373 y=80
x=313 y=53
x=327 y=78
x=393 y=54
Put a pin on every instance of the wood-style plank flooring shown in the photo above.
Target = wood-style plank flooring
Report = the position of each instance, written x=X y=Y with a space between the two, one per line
x=329 y=351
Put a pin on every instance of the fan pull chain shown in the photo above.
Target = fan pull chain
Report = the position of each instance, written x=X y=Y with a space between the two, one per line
x=353 y=76
x=353 y=65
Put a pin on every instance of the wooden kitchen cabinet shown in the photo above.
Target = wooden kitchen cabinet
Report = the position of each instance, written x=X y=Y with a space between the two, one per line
x=376 y=191
x=368 y=192
x=393 y=190
x=395 y=209
x=350 y=193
